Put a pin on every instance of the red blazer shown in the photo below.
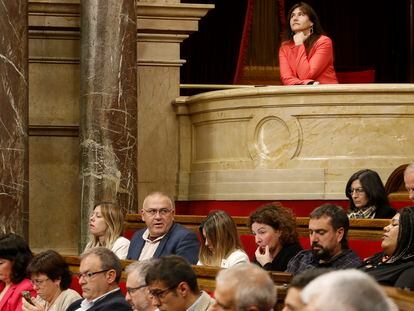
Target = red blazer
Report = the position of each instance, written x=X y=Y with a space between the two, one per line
x=298 y=68
x=12 y=299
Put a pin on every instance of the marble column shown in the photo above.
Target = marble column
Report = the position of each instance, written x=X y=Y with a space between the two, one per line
x=108 y=123
x=13 y=117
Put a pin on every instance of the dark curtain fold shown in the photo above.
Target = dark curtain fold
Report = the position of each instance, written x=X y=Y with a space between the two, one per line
x=212 y=52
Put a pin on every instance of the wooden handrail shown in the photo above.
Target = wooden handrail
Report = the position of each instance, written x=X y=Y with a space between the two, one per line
x=369 y=229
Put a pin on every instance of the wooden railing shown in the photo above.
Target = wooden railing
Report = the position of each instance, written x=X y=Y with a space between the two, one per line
x=369 y=229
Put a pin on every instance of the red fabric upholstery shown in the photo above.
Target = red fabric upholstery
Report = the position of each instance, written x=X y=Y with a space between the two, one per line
x=366 y=76
x=249 y=245
x=365 y=248
x=75 y=285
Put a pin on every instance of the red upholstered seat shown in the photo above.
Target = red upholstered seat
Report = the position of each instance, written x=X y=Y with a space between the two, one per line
x=75 y=285
x=365 y=76
x=249 y=245
x=365 y=248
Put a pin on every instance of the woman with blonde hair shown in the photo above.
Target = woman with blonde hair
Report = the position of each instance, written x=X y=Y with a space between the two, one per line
x=106 y=226
x=221 y=245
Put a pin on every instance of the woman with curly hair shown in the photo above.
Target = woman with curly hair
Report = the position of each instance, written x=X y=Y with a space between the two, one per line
x=221 y=245
x=274 y=228
x=106 y=226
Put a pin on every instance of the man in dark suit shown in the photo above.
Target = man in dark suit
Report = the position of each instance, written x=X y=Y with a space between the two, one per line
x=99 y=274
x=162 y=236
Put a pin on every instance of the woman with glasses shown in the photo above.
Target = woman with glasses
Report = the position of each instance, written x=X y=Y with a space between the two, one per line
x=15 y=255
x=221 y=245
x=394 y=266
x=51 y=279
x=274 y=230
x=367 y=197
x=106 y=226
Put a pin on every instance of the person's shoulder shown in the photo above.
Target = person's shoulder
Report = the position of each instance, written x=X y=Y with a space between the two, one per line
x=75 y=305
x=323 y=39
x=25 y=284
x=287 y=44
x=138 y=234
x=178 y=228
x=239 y=256
x=302 y=254
x=121 y=241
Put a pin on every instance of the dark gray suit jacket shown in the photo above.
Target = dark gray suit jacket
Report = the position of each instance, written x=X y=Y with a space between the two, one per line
x=113 y=301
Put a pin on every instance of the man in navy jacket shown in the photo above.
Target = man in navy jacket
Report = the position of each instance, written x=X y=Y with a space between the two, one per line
x=99 y=273
x=162 y=236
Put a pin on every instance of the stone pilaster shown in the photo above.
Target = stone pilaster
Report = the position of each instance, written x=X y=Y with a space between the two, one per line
x=162 y=26
x=13 y=117
x=108 y=117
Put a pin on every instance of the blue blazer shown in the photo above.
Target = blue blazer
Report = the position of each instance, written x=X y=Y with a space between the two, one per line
x=178 y=241
x=113 y=301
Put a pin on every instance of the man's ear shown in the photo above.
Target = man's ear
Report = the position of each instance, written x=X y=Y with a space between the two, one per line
x=183 y=289
x=110 y=276
x=340 y=234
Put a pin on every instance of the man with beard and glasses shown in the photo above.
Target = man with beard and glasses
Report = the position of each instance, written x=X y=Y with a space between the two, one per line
x=328 y=230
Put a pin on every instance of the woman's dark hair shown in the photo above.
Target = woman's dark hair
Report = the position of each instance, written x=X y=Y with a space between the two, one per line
x=405 y=242
x=14 y=248
x=373 y=187
x=279 y=218
x=53 y=265
x=317 y=28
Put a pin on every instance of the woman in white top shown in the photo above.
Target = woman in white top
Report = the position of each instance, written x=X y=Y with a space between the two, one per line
x=106 y=226
x=51 y=279
x=221 y=245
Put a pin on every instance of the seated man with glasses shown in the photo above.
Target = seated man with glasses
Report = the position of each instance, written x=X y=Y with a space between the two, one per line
x=99 y=274
x=172 y=283
x=162 y=236
x=137 y=290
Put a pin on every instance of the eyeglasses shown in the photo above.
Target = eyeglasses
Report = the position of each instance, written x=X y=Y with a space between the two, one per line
x=39 y=282
x=88 y=275
x=358 y=191
x=132 y=290
x=161 y=211
x=160 y=293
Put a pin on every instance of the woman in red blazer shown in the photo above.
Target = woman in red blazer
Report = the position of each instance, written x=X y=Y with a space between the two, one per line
x=307 y=56
x=15 y=255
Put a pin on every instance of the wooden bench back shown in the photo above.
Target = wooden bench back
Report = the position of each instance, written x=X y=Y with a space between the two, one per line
x=367 y=229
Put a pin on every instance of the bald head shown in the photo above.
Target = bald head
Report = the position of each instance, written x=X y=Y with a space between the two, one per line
x=244 y=287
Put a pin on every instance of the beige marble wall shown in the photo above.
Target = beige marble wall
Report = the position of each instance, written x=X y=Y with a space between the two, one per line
x=291 y=142
x=54 y=81
x=54 y=211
